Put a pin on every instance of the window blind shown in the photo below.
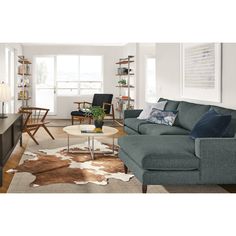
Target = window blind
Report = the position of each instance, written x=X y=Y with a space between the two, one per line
x=199 y=66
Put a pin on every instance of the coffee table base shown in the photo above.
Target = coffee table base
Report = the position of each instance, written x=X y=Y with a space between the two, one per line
x=91 y=149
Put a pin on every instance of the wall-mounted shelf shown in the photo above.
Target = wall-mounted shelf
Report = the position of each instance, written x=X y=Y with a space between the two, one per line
x=24 y=74
x=124 y=73
x=125 y=86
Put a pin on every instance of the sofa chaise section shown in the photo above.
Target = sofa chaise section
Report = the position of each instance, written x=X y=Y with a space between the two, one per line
x=159 y=154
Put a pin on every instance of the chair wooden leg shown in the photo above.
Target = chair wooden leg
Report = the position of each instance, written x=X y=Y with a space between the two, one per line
x=28 y=132
x=36 y=130
x=72 y=120
x=44 y=126
x=144 y=188
x=126 y=169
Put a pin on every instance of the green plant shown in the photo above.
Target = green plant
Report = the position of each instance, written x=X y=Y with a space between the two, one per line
x=122 y=82
x=98 y=113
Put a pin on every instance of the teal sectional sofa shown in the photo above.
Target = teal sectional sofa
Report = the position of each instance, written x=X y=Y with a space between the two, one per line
x=162 y=155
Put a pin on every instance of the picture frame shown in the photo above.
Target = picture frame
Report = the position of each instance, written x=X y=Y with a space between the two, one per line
x=201 y=71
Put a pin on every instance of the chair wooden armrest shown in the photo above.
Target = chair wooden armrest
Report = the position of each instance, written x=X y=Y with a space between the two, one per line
x=106 y=104
x=112 y=109
x=83 y=104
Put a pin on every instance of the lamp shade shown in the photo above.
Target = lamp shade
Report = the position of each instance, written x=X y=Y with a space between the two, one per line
x=5 y=93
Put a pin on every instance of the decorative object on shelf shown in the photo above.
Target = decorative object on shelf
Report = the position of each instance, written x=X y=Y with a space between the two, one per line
x=5 y=96
x=122 y=82
x=124 y=100
x=24 y=73
x=98 y=115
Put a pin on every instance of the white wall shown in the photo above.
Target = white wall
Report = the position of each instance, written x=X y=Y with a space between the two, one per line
x=18 y=51
x=144 y=50
x=111 y=54
x=168 y=73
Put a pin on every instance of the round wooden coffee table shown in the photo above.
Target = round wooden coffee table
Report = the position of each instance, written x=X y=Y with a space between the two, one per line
x=87 y=131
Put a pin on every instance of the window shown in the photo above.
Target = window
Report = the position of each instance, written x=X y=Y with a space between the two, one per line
x=67 y=78
x=10 y=77
x=150 y=83
x=79 y=75
x=45 y=83
x=90 y=74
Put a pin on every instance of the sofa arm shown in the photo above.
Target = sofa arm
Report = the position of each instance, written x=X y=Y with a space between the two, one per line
x=217 y=160
x=132 y=113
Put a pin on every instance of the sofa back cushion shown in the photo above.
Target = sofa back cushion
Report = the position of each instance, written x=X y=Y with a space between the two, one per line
x=189 y=114
x=171 y=105
x=232 y=126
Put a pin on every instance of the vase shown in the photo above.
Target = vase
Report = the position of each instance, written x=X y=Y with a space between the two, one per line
x=98 y=123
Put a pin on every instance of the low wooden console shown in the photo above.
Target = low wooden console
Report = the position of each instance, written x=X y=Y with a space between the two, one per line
x=10 y=134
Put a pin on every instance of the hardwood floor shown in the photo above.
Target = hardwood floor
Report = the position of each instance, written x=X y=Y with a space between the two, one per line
x=14 y=160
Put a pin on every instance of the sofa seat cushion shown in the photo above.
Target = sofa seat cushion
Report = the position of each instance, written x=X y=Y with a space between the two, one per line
x=134 y=123
x=170 y=152
x=156 y=129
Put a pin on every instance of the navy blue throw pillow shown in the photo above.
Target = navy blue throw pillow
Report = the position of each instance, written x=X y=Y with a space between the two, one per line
x=211 y=124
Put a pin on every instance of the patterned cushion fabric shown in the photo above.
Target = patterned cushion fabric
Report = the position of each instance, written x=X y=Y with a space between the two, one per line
x=162 y=117
x=211 y=124
x=148 y=108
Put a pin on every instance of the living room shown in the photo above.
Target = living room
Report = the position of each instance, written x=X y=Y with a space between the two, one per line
x=137 y=119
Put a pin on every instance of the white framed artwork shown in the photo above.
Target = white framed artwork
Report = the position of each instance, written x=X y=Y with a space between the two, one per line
x=201 y=71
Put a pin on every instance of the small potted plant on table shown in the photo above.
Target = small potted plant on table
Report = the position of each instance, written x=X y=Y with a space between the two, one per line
x=98 y=115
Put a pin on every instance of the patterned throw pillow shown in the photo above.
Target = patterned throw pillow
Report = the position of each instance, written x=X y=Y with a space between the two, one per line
x=148 y=108
x=162 y=117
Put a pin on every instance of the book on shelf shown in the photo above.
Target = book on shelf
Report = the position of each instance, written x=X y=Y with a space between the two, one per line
x=24 y=69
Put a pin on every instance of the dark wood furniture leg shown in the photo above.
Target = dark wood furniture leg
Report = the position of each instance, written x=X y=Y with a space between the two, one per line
x=1 y=176
x=28 y=132
x=144 y=188
x=72 y=120
x=21 y=141
x=44 y=126
x=126 y=169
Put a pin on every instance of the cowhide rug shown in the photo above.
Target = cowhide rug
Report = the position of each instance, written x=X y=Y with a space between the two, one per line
x=51 y=166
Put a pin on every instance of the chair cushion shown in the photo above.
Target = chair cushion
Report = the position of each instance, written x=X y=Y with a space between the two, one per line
x=155 y=129
x=134 y=123
x=79 y=113
x=189 y=114
x=161 y=152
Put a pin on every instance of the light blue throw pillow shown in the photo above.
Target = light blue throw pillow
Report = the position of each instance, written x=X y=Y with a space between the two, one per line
x=162 y=117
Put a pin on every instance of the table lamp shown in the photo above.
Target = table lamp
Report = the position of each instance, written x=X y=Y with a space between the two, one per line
x=5 y=96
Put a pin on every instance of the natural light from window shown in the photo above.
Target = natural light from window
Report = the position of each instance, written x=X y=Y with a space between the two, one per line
x=67 y=75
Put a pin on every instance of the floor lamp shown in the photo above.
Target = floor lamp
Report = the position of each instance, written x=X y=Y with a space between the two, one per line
x=5 y=96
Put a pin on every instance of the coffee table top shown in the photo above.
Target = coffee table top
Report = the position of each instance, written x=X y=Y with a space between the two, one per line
x=76 y=130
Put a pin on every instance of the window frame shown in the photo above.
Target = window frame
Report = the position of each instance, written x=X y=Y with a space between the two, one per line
x=145 y=83
x=76 y=81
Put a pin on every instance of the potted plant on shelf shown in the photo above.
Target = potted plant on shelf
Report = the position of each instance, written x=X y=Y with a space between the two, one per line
x=122 y=82
x=98 y=115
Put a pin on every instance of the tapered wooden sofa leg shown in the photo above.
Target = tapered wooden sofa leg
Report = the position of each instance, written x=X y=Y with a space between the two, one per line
x=126 y=169
x=144 y=188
